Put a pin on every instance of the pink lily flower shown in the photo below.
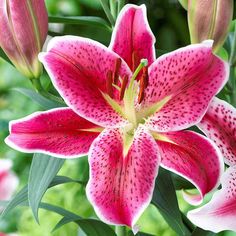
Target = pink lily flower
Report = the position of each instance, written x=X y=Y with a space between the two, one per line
x=128 y=116
x=220 y=213
x=8 y=181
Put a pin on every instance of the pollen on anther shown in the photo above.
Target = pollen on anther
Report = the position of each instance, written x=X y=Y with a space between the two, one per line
x=135 y=61
x=109 y=83
x=143 y=84
x=116 y=72
x=123 y=87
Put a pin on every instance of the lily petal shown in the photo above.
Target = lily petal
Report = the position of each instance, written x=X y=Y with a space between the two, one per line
x=78 y=68
x=219 y=125
x=195 y=158
x=8 y=181
x=220 y=213
x=58 y=132
x=120 y=187
x=189 y=78
x=132 y=37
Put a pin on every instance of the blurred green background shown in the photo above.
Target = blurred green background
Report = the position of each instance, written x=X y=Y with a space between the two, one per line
x=168 y=22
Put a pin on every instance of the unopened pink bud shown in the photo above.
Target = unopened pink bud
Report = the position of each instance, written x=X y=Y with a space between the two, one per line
x=24 y=27
x=209 y=19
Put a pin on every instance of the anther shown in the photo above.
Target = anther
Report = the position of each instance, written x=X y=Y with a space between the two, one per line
x=141 y=90
x=145 y=76
x=135 y=61
x=109 y=84
x=143 y=84
x=123 y=87
x=117 y=69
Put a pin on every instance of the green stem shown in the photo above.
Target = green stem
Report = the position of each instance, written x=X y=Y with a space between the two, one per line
x=107 y=12
x=39 y=89
x=113 y=7
x=120 y=231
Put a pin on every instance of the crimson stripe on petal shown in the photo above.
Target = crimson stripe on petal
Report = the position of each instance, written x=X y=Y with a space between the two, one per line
x=59 y=132
x=120 y=187
x=220 y=213
x=191 y=76
x=194 y=157
x=132 y=35
x=219 y=125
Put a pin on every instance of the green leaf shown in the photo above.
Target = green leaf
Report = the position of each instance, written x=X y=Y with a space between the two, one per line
x=164 y=198
x=181 y=183
x=184 y=4
x=4 y=56
x=80 y=20
x=39 y=99
x=21 y=198
x=223 y=54
x=91 y=227
x=201 y=232
x=43 y=170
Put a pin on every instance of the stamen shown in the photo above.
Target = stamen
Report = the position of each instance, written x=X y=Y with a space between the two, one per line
x=116 y=73
x=143 y=84
x=135 y=61
x=109 y=84
x=145 y=76
x=123 y=87
x=141 y=90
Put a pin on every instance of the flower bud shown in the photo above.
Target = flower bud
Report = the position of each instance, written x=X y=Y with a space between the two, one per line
x=24 y=27
x=209 y=19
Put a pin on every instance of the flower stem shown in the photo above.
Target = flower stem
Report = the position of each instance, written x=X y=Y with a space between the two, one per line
x=120 y=231
x=107 y=12
x=39 y=89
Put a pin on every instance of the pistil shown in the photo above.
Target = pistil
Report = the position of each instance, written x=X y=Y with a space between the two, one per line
x=131 y=94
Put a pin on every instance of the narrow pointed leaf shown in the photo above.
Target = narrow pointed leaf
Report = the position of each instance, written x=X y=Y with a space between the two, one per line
x=181 y=183
x=91 y=227
x=164 y=198
x=43 y=170
x=81 y=20
x=21 y=198
x=4 y=56
x=199 y=231
x=39 y=99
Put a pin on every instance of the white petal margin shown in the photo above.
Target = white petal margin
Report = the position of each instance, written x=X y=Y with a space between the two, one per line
x=107 y=136
x=220 y=213
x=47 y=121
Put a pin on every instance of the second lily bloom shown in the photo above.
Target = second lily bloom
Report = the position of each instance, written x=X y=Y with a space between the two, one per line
x=24 y=27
